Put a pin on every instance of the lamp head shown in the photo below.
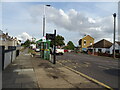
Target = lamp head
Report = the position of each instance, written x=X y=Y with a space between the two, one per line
x=48 y=5
x=114 y=15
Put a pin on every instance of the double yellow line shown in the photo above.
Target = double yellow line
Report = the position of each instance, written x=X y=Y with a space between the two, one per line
x=91 y=79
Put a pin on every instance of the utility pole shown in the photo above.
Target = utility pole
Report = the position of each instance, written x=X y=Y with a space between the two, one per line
x=114 y=15
x=54 y=57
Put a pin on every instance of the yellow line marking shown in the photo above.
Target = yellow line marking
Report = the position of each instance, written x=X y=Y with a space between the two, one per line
x=94 y=80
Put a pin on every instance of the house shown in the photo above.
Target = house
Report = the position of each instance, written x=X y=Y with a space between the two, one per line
x=6 y=40
x=102 y=46
x=117 y=48
x=1 y=33
x=85 y=42
x=33 y=46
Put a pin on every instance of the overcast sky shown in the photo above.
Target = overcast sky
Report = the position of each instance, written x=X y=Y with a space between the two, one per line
x=72 y=20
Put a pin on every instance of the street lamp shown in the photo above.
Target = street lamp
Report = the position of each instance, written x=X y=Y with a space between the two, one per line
x=114 y=15
x=44 y=26
x=44 y=19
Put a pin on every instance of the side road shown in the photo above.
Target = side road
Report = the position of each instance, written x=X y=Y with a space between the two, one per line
x=33 y=72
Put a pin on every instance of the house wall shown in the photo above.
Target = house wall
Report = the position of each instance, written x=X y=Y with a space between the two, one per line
x=103 y=50
x=116 y=47
x=7 y=43
x=88 y=41
x=8 y=56
x=13 y=55
x=1 y=37
x=1 y=68
x=7 y=59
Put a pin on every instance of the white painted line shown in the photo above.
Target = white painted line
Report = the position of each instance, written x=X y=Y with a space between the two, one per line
x=14 y=64
x=27 y=54
x=17 y=70
x=103 y=67
x=27 y=69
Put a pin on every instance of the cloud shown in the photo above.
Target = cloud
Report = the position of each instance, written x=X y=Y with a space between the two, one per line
x=70 y=23
x=24 y=36
x=72 y=20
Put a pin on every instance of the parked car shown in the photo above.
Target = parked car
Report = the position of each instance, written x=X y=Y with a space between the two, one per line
x=37 y=49
x=65 y=50
x=60 y=51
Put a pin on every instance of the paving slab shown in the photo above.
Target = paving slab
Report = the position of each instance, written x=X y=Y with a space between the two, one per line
x=30 y=85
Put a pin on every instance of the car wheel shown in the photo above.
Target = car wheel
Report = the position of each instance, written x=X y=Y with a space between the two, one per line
x=61 y=53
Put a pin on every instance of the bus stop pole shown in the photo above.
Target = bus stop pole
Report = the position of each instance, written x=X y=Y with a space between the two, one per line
x=54 y=57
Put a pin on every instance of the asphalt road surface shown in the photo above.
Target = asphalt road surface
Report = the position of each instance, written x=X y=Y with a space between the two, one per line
x=103 y=69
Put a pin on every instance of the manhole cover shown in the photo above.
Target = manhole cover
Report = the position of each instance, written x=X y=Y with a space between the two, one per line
x=55 y=77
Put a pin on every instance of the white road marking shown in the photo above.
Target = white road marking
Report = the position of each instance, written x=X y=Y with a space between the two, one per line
x=20 y=70
x=17 y=70
x=103 y=67
x=27 y=69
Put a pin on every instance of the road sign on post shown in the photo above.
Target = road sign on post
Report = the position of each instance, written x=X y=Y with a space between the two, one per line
x=50 y=36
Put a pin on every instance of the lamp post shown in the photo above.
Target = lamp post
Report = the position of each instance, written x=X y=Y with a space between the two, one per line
x=114 y=15
x=44 y=26
x=44 y=19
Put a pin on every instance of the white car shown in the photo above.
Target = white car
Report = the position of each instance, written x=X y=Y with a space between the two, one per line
x=37 y=49
x=60 y=51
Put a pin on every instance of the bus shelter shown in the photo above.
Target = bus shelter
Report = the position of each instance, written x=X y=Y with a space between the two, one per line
x=44 y=46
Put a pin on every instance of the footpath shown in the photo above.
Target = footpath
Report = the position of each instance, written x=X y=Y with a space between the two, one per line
x=33 y=72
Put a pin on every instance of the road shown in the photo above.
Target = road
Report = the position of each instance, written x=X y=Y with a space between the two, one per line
x=103 y=69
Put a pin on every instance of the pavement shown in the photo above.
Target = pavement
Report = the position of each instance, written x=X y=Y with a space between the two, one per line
x=34 y=72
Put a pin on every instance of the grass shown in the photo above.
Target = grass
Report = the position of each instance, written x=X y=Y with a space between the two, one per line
x=31 y=51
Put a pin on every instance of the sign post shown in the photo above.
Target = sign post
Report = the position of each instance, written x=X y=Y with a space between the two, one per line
x=54 y=57
x=52 y=37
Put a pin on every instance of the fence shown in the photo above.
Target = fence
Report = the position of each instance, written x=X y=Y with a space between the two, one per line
x=8 y=56
x=1 y=68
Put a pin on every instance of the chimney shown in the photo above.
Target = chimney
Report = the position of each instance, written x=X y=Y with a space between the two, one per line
x=6 y=34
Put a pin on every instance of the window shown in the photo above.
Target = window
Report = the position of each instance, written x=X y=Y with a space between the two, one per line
x=99 y=50
x=90 y=43
x=84 y=42
x=117 y=51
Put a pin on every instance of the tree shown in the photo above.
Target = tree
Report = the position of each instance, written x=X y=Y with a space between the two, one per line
x=27 y=43
x=70 y=46
x=59 y=41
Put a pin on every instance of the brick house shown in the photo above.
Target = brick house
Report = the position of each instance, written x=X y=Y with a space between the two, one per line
x=85 y=42
x=102 y=46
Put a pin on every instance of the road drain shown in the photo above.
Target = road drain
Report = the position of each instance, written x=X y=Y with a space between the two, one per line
x=54 y=77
